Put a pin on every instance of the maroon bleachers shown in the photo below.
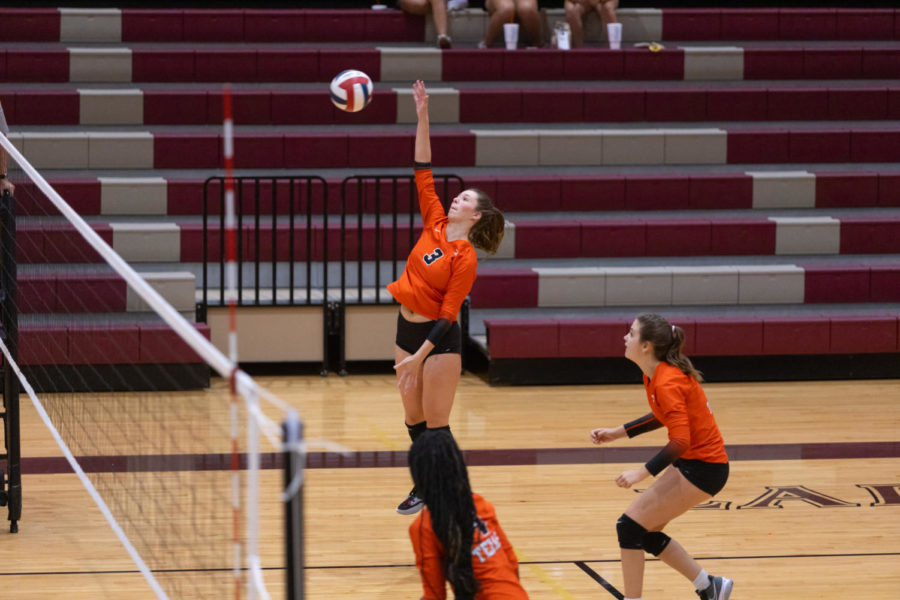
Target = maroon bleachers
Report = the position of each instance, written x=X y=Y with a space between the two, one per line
x=729 y=24
x=82 y=344
x=540 y=193
x=843 y=283
x=720 y=336
x=560 y=238
x=272 y=106
x=271 y=64
x=351 y=25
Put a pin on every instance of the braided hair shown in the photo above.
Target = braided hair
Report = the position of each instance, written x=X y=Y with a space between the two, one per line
x=442 y=481
x=668 y=342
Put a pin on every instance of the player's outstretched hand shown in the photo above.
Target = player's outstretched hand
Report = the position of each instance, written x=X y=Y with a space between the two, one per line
x=604 y=435
x=421 y=98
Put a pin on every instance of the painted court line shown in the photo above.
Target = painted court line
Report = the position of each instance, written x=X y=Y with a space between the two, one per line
x=474 y=458
x=596 y=577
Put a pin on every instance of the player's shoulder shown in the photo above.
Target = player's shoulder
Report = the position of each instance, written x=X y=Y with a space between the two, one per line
x=422 y=521
x=668 y=375
x=483 y=507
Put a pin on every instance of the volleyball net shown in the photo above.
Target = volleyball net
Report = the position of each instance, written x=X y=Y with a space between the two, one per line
x=165 y=432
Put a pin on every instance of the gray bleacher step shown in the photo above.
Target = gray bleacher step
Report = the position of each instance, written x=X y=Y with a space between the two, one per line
x=477 y=317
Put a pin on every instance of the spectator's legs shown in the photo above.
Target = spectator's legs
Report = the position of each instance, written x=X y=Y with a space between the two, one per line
x=607 y=11
x=574 y=14
x=530 y=19
x=439 y=13
x=437 y=8
x=501 y=11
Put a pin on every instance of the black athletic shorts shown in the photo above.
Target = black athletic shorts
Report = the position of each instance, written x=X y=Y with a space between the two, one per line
x=709 y=477
x=411 y=335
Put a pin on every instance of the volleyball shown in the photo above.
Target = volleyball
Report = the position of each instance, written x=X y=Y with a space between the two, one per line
x=351 y=90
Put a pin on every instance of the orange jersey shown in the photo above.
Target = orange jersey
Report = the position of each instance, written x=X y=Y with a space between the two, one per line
x=493 y=560
x=679 y=403
x=439 y=273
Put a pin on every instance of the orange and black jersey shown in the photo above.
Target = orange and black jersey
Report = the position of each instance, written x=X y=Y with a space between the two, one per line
x=493 y=559
x=677 y=401
x=439 y=273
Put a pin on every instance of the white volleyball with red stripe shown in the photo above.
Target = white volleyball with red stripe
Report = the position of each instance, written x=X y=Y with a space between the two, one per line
x=351 y=90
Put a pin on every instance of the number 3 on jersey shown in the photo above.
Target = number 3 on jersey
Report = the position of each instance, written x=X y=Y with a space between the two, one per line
x=430 y=258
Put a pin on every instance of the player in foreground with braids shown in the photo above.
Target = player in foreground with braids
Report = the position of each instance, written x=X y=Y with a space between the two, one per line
x=439 y=274
x=696 y=453
x=457 y=538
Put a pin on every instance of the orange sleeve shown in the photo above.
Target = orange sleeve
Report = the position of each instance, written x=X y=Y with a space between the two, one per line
x=429 y=203
x=428 y=559
x=672 y=400
x=461 y=279
x=507 y=547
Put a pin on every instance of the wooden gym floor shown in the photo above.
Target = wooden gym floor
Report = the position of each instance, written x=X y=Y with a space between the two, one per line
x=811 y=510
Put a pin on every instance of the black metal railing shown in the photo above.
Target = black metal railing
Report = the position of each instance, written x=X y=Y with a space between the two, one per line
x=292 y=202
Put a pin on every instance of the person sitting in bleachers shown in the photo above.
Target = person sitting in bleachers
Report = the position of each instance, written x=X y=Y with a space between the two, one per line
x=577 y=10
x=505 y=11
x=438 y=10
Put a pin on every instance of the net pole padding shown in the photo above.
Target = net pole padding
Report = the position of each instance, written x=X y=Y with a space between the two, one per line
x=95 y=495
x=213 y=357
x=231 y=299
x=294 y=459
x=10 y=324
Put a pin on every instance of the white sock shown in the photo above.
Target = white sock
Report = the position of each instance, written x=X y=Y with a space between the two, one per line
x=631 y=599
x=701 y=582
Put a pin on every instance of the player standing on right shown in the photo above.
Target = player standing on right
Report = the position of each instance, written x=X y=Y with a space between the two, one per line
x=696 y=453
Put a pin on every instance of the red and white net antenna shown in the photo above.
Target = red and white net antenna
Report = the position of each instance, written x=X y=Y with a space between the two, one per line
x=231 y=299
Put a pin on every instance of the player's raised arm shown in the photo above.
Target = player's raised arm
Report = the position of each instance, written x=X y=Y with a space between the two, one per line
x=423 y=141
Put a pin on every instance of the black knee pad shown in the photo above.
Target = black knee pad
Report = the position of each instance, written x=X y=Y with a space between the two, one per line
x=630 y=533
x=655 y=542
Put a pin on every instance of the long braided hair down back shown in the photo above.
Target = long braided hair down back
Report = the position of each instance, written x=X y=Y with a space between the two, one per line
x=442 y=481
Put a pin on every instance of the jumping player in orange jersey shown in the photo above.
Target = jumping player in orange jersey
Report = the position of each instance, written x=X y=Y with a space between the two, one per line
x=439 y=274
x=457 y=538
x=696 y=453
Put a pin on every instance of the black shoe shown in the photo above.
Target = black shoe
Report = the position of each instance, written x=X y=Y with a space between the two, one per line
x=719 y=589
x=411 y=505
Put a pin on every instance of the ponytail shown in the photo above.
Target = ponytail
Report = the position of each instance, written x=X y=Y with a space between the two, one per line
x=487 y=232
x=668 y=343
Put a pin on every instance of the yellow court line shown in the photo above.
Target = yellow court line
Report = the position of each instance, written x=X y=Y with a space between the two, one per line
x=544 y=576
x=383 y=437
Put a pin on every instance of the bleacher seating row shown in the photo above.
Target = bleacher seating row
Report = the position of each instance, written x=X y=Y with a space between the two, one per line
x=687 y=285
x=74 y=292
x=255 y=25
x=813 y=283
x=467 y=148
x=526 y=239
x=521 y=193
x=719 y=336
x=175 y=106
x=126 y=344
x=53 y=64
